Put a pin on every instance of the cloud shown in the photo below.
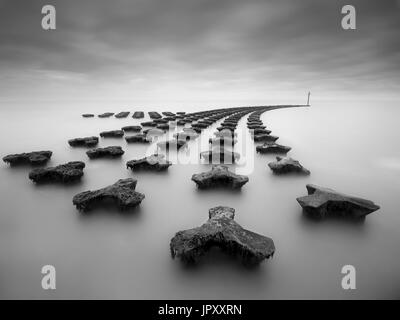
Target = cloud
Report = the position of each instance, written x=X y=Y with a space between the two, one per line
x=206 y=47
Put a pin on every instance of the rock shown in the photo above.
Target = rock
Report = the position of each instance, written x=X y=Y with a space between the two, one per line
x=256 y=126
x=65 y=173
x=219 y=176
x=261 y=131
x=155 y=162
x=149 y=124
x=34 y=158
x=107 y=152
x=168 y=114
x=323 y=202
x=88 y=115
x=106 y=115
x=131 y=128
x=171 y=144
x=160 y=121
x=122 y=194
x=138 y=138
x=264 y=138
x=154 y=115
x=223 y=232
x=112 y=134
x=123 y=114
x=138 y=114
x=84 y=142
x=220 y=155
x=163 y=126
x=287 y=165
x=272 y=147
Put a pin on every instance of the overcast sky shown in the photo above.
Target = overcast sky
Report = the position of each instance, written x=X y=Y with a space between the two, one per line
x=192 y=49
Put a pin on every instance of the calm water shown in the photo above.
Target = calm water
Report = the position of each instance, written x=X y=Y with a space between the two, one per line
x=350 y=147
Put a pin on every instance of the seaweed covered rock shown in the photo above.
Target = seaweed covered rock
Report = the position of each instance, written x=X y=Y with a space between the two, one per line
x=123 y=114
x=271 y=147
x=33 y=158
x=107 y=152
x=131 y=128
x=221 y=231
x=84 y=142
x=138 y=138
x=219 y=176
x=65 y=173
x=138 y=114
x=220 y=155
x=173 y=144
x=287 y=165
x=323 y=202
x=106 y=115
x=122 y=194
x=112 y=134
x=155 y=162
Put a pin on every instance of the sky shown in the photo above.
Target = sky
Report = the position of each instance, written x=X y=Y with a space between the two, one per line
x=198 y=50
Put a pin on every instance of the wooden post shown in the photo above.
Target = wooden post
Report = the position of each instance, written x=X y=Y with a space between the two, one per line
x=308 y=99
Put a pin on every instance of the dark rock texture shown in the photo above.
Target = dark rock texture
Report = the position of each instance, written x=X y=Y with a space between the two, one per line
x=220 y=155
x=138 y=114
x=323 y=202
x=65 y=173
x=131 y=128
x=154 y=115
x=155 y=162
x=264 y=137
x=149 y=124
x=223 y=232
x=271 y=147
x=287 y=165
x=123 y=114
x=106 y=115
x=84 y=142
x=107 y=152
x=261 y=131
x=219 y=176
x=138 y=138
x=88 y=115
x=34 y=158
x=112 y=134
x=171 y=144
x=122 y=194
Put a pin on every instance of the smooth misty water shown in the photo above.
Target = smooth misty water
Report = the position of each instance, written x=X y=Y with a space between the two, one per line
x=349 y=147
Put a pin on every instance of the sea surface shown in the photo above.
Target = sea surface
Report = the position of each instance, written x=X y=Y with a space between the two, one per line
x=348 y=146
